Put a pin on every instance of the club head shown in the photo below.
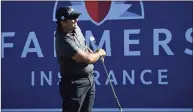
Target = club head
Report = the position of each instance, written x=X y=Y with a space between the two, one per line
x=92 y=39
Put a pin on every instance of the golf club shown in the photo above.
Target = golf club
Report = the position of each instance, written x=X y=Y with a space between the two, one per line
x=92 y=39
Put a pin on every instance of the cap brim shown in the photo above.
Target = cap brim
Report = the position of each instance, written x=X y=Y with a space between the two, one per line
x=74 y=15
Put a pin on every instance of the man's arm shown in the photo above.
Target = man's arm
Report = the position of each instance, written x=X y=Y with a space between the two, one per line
x=70 y=49
x=89 y=50
x=86 y=57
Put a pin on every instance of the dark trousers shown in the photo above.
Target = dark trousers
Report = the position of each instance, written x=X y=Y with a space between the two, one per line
x=78 y=93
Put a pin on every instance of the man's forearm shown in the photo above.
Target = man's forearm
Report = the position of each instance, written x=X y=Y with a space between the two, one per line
x=89 y=50
x=86 y=57
x=93 y=57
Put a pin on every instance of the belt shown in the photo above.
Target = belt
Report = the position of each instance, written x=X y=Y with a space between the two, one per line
x=66 y=75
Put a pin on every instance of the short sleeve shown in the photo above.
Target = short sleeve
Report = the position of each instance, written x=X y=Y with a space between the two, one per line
x=66 y=47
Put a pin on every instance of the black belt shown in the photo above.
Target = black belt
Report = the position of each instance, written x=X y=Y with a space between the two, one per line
x=67 y=75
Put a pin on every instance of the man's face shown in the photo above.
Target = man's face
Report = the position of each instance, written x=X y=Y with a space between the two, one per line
x=71 y=24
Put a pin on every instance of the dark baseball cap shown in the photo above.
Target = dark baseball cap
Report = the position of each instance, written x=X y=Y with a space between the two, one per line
x=66 y=12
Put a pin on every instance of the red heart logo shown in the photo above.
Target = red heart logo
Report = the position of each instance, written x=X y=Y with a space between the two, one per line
x=98 y=10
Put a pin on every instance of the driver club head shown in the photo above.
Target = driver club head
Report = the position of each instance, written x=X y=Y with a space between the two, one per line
x=92 y=39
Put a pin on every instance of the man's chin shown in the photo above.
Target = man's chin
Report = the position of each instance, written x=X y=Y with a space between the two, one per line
x=74 y=26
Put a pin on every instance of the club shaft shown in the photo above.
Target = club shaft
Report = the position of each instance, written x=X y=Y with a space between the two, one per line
x=115 y=96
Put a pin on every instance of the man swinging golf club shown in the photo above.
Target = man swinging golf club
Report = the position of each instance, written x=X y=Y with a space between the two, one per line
x=77 y=87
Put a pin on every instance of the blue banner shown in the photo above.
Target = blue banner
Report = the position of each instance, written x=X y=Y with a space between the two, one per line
x=148 y=45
